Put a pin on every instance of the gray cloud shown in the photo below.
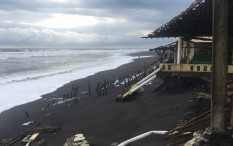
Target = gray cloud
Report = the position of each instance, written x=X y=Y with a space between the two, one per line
x=18 y=16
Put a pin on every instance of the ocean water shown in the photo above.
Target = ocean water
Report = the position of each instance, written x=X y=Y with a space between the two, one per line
x=26 y=74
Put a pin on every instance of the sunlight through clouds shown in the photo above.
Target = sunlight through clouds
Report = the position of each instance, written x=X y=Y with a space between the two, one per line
x=71 y=21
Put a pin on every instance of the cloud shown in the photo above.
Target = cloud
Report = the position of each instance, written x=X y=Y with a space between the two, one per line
x=31 y=35
x=84 y=22
x=46 y=38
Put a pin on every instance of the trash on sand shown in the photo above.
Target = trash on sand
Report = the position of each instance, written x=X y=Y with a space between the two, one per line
x=77 y=140
x=33 y=137
x=84 y=92
x=79 y=137
x=26 y=139
x=67 y=100
x=28 y=123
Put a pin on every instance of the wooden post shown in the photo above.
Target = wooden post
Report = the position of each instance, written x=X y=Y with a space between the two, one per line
x=231 y=121
x=175 y=54
x=219 y=73
x=231 y=55
x=188 y=52
x=26 y=114
x=184 y=53
x=179 y=50
x=89 y=88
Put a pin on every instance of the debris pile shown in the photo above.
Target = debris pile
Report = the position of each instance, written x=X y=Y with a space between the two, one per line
x=77 y=140
x=184 y=131
x=200 y=121
x=197 y=140
x=31 y=136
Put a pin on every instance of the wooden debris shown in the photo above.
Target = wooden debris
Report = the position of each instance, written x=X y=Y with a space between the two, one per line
x=203 y=95
x=26 y=139
x=44 y=129
x=34 y=136
x=39 y=143
x=176 y=136
x=12 y=140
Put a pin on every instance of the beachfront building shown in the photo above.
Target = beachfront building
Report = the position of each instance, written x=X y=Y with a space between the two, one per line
x=203 y=44
x=191 y=50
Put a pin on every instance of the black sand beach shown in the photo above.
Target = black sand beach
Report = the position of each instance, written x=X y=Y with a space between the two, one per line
x=101 y=119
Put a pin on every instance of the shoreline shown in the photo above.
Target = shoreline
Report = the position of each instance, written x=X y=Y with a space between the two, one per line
x=34 y=92
x=101 y=119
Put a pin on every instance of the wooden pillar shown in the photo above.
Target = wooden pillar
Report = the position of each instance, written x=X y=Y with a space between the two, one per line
x=231 y=121
x=175 y=54
x=231 y=55
x=219 y=75
x=179 y=50
x=188 y=52
x=184 y=52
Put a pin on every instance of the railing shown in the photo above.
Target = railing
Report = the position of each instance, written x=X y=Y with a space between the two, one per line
x=166 y=67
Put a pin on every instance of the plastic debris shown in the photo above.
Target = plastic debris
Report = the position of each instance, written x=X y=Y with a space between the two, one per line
x=28 y=123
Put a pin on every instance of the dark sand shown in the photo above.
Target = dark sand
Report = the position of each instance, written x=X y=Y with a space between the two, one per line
x=101 y=119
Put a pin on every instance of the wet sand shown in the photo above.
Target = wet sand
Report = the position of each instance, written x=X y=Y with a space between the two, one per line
x=101 y=119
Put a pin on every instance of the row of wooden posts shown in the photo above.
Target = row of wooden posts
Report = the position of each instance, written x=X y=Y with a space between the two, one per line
x=126 y=79
x=72 y=93
x=102 y=88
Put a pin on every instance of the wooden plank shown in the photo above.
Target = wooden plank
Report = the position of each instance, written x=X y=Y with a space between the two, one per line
x=34 y=136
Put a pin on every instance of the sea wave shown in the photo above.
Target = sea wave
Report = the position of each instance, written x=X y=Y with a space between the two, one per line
x=25 y=86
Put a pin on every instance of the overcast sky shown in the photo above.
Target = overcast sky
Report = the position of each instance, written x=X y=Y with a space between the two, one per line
x=84 y=23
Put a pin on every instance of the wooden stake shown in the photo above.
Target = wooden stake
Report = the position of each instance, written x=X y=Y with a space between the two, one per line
x=89 y=88
x=105 y=89
x=26 y=114
x=219 y=73
x=71 y=92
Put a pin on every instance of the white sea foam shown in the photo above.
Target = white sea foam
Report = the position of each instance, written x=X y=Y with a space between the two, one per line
x=24 y=87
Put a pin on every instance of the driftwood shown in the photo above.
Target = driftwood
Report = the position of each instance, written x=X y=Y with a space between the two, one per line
x=37 y=129
x=12 y=140
x=176 y=136
x=39 y=143
x=44 y=129
x=203 y=95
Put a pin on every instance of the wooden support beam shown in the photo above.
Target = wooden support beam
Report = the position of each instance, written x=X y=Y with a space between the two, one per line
x=219 y=73
x=188 y=52
x=180 y=42
x=175 y=54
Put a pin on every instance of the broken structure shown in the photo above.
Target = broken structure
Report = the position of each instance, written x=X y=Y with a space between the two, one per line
x=203 y=46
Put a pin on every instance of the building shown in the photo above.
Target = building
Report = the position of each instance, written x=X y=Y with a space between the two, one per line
x=192 y=47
